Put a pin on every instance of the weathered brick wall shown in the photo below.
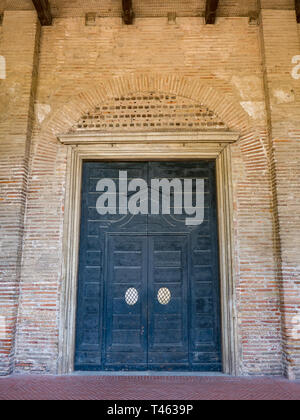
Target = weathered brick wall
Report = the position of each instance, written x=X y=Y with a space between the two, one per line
x=284 y=91
x=74 y=58
x=19 y=47
x=219 y=66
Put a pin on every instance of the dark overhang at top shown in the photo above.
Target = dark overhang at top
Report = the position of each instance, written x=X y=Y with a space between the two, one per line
x=44 y=12
x=210 y=10
x=297 y=6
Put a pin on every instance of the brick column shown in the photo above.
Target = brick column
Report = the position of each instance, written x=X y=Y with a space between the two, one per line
x=280 y=40
x=19 y=47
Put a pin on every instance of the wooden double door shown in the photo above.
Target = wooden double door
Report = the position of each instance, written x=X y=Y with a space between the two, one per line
x=148 y=286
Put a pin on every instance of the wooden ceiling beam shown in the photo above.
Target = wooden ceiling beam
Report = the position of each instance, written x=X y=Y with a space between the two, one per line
x=44 y=11
x=297 y=6
x=128 y=14
x=211 y=11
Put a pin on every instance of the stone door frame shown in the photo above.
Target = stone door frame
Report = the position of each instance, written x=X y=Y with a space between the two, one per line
x=148 y=146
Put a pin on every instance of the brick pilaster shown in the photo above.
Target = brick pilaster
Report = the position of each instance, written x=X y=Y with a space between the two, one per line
x=20 y=48
x=280 y=44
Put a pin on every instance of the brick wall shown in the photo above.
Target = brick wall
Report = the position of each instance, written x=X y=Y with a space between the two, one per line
x=219 y=66
x=19 y=47
x=284 y=90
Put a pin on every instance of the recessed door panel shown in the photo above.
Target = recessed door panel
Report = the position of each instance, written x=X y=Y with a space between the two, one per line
x=168 y=301
x=126 y=294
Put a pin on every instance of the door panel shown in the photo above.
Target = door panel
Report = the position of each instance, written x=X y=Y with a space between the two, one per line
x=126 y=293
x=167 y=302
x=90 y=339
x=148 y=292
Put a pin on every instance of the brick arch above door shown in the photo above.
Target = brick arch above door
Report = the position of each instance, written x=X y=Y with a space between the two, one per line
x=224 y=110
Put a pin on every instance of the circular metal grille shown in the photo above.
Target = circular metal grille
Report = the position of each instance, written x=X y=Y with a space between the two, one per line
x=164 y=296
x=131 y=296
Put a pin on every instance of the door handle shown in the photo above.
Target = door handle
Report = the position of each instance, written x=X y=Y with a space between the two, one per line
x=142 y=330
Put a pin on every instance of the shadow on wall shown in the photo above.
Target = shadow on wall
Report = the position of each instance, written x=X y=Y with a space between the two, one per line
x=2 y=68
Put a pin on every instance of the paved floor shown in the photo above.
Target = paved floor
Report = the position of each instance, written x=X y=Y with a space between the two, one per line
x=146 y=388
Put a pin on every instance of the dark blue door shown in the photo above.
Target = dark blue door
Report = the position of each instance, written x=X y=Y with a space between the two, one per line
x=148 y=291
